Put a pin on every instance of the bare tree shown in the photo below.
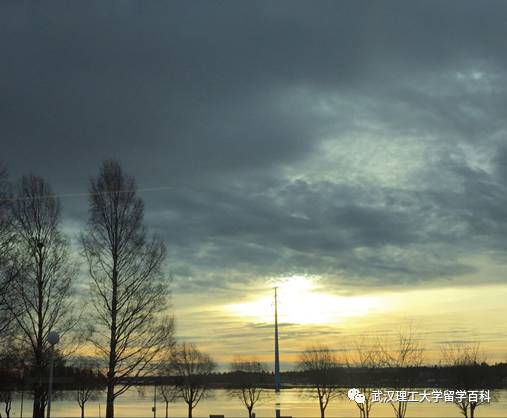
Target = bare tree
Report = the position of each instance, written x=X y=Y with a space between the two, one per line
x=9 y=377
x=249 y=375
x=40 y=291
x=168 y=391
x=5 y=207
x=366 y=357
x=6 y=399
x=320 y=365
x=192 y=369
x=88 y=385
x=403 y=354
x=169 y=394
x=6 y=244
x=83 y=395
x=466 y=362
x=131 y=326
x=8 y=360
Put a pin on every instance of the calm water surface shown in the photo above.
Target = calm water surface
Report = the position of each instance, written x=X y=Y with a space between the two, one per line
x=295 y=402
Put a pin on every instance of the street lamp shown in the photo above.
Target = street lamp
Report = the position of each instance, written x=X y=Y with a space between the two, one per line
x=53 y=339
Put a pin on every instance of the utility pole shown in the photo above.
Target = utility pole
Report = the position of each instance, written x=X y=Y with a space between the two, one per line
x=277 y=359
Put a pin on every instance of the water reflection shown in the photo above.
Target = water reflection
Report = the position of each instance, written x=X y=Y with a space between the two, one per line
x=295 y=402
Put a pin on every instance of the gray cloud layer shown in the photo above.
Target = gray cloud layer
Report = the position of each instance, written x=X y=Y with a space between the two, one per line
x=360 y=141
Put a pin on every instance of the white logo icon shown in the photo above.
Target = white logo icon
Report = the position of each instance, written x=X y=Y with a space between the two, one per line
x=352 y=393
x=356 y=395
x=360 y=398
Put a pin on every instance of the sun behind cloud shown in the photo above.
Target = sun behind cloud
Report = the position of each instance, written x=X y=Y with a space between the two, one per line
x=301 y=301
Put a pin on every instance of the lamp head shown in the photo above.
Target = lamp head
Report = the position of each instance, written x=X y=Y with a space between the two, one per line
x=53 y=337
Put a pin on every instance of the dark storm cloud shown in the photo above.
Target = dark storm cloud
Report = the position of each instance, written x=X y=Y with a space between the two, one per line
x=219 y=102
x=308 y=228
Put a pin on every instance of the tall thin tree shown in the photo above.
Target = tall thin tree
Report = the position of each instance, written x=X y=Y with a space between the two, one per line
x=129 y=291
x=40 y=291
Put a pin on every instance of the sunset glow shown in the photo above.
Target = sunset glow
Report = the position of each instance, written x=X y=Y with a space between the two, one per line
x=301 y=301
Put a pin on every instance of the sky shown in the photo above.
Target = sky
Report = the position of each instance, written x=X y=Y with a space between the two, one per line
x=353 y=153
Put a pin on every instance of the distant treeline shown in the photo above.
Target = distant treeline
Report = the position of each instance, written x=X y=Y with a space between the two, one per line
x=484 y=375
x=66 y=378
x=490 y=377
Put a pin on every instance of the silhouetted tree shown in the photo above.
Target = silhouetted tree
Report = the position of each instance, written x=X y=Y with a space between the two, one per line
x=5 y=208
x=247 y=383
x=403 y=354
x=40 y=291
x=88 y=383
x=131 y=326
x=9 y=377
x=6 y=399
x=192 y=369
x=320 y=364
x=366 y=357
x=169 y=394
x=466 y=373
x=6 y=244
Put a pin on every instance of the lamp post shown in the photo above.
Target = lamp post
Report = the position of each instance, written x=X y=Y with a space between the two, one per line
x=53 y=339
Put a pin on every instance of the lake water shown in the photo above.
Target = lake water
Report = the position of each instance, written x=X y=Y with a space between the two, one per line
x=294 y=402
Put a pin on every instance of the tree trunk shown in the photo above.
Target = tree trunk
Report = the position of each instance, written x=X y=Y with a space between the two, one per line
x=189 y=410
x=38 y=401
x=8 y=406
x=110 y=400
x=166 y=409
x=112 y=346
x=38 y=393
x=322 y=412
x=82 y=411
x=250 y=412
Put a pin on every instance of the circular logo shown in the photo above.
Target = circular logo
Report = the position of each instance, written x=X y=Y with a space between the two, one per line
x=352 y=393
